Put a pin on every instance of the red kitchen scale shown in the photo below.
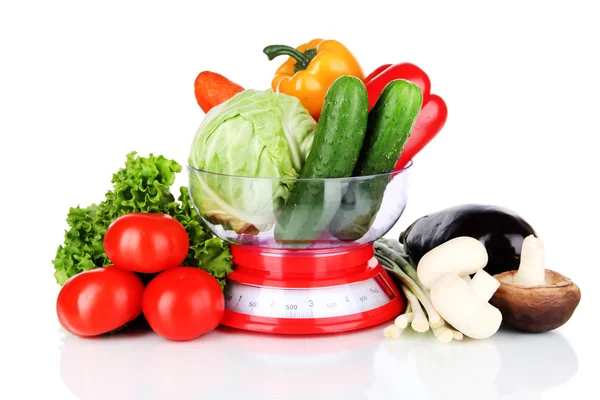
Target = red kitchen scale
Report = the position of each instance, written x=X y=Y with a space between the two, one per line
x=303 y=285
x=308 y=291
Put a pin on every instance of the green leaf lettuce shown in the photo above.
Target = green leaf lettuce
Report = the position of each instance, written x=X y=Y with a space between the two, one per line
x=142 y=185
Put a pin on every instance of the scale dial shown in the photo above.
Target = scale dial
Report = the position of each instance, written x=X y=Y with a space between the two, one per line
x=308 y=303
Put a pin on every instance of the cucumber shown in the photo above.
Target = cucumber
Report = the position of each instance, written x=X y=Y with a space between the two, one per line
x=334 y=153
x=390 y=124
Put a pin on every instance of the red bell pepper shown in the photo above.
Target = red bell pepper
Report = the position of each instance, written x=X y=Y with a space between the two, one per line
x=434 y=111
x=376 y=72
x=429 y=123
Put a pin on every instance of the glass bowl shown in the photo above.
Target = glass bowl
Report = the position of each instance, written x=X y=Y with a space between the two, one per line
x=299 y=213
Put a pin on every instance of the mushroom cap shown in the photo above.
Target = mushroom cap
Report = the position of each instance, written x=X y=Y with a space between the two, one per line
x=462 y=255
x=536 y=308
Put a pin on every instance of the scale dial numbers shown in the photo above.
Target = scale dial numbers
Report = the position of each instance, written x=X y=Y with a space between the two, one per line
x=324 y=302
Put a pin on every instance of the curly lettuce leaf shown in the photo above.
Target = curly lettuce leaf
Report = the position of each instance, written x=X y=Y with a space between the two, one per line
x=82 y=249
x=206 y=252
x=142 y=185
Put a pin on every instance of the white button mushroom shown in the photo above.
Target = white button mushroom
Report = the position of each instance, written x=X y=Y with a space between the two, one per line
x=465 y=305
x=462 y=256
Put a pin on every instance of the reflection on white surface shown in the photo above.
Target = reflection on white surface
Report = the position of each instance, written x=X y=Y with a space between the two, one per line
x=508 y=365
x=535 y=363
x=465 y=369
x=142 y=367
x=362 y=365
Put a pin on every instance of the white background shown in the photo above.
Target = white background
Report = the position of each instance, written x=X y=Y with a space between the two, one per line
x=83 y=83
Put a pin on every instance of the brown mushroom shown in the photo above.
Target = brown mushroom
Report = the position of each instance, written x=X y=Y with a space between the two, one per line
x=534 y=299
x=536 y=308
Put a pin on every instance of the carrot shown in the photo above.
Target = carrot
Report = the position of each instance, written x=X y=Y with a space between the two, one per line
x=212 y=89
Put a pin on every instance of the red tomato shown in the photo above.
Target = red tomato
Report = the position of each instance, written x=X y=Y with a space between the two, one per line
x=183 y=303
x=146 y=242
x=99 y=300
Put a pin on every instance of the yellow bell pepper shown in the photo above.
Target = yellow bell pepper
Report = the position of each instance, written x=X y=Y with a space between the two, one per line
x=311 y=69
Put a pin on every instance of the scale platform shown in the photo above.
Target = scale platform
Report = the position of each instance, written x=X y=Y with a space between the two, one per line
x=308 y=291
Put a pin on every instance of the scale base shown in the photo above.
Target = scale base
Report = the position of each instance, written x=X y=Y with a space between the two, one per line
x=309 y=292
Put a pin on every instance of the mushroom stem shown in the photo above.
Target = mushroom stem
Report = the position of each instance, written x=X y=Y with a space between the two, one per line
x=483 y=285
x=462 y=308
x=531 y=268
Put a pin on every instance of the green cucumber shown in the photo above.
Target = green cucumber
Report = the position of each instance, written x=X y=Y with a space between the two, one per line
x=334 y=153
x=390 y=124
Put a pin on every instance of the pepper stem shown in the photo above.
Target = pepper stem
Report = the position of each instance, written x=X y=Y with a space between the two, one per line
x=302 y=60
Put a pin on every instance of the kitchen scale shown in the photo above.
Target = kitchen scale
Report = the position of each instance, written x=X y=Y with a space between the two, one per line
x=308 y=291
x=328 y=285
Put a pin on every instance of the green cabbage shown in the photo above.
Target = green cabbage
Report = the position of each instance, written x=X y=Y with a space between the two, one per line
x=257 y=134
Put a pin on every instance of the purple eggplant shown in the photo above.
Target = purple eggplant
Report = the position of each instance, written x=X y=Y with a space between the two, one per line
x=499 y=229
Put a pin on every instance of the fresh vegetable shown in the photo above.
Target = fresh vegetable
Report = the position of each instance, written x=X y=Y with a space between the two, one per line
x=531 y=270
x=212 y=89
x=390 y=124
x=450 y=318
x=500 y=230
x=334 y=154
x=392 y=332
x=443 y=333
x=419 y=303
x=404 y=71
x=375 y=72
x=434 y=111
x=183 y=303
x=430 y=122
x=533 y=298
x=419 y=321
x=142 y=185
x=413 y=286
x=311 y=69
x=258 y=134
x=99 y=301
x=465 y=306
x=456 y=335
x=462 y=255
x=146 y=242
x=403 y=320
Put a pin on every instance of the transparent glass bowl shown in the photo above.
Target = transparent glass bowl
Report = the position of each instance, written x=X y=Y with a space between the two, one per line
x=299 y=213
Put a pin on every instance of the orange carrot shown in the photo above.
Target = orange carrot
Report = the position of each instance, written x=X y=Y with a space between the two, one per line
x=212 y=89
